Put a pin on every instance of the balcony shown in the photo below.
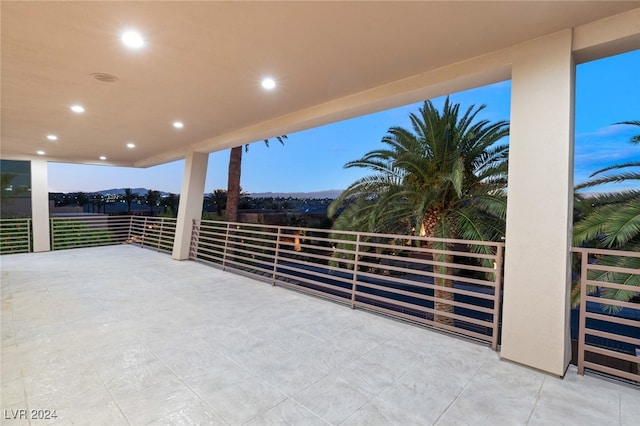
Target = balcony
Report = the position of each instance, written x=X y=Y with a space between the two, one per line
x=123 y=335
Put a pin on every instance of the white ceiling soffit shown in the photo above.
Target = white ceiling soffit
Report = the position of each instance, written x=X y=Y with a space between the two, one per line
x=202 y=63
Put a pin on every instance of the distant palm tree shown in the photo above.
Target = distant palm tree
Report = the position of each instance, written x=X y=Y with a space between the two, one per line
x=613 y=222
x=170 y=204
x=128 y=197
x=152 y=198
x=82 y=199
x=233 y=183
x=218 y=198
x=445 y=177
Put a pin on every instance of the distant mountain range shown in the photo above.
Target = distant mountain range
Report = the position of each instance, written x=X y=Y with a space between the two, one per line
x=120 y=191
x=330 y=193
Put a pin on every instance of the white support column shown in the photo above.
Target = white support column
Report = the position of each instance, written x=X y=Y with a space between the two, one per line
x=40 y=205
x=535 y=325
x=191 y=198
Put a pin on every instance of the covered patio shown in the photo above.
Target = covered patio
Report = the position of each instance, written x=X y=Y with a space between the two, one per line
x=124 y=335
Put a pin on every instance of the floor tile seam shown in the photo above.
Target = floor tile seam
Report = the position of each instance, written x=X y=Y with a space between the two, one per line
x=113 y=398
x=535 y=404
x=620 y=407
x=368 y=399
x=397 y=378
x=457 y=397
x=187 y=385
x=257 y=375
x=282 y=402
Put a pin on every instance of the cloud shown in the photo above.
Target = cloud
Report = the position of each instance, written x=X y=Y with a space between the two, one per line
x=609 y=131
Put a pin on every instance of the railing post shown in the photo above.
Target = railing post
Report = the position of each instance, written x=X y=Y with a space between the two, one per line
x=161 y=233
x=226 y=244
x=277 y=255
x=53 y=234
x=130 y=227
x=497 y=296
x=355 y=272
x=583 y=309
x=144 y=231
x=195 y=240
x=29 y=235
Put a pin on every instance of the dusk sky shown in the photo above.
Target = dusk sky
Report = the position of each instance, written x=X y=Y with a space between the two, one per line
x=607 y=91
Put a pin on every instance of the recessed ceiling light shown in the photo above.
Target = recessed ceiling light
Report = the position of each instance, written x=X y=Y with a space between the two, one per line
x=52 y=137
x=131 y=145
x=269 y=83
x=77 y=109
x=132 y=39
x=40 y=152
x=178 y=124
x=102 y=157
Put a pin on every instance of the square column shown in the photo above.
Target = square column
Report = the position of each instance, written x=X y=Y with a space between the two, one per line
x=40 y=205
x=191 y=198
x=535 y=324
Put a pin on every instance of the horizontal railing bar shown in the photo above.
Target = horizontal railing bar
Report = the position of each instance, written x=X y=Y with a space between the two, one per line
x=612 y=371
x=296 y=287
x=606 y=284
x=612 y=354
x=235 y=261
x=424 y=321
x=236 y=245
x=331 y=287
x=612 y=336
x=420 y=284
x=365 y=234
x=609 y=318
x=423 y=297
x=427 y=310
x=428 y=273
x=315 y=256
x=234 y=249
x=619 y=253
x=211 y=249
x=603 y=301
x=443 y=252
x=605 y=268
x=285 y=268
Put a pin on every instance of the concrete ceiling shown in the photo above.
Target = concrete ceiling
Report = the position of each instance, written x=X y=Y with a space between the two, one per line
x=203 y=62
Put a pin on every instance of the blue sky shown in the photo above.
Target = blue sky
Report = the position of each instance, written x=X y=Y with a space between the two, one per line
x=607 y=91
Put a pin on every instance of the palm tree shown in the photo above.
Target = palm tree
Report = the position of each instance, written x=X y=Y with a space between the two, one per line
x=613 y=222
x=233 y=183
x=128 y=198
x=218 y=198
x=152 y=198
x=170 y=204
x=445 y=178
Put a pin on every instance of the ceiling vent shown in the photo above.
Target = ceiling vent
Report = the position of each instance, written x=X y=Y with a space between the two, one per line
x=103 y=77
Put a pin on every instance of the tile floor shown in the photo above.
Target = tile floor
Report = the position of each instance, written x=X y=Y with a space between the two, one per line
x=123 y=335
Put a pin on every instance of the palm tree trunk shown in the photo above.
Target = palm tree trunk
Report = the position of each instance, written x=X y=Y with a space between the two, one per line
x=233 y=184
x=429 y=224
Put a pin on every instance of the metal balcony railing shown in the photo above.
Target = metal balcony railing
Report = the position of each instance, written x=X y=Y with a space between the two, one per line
x=88 y=231
x=157 y=233
x=15 y=236
x=609 y=326
x=454 y=285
